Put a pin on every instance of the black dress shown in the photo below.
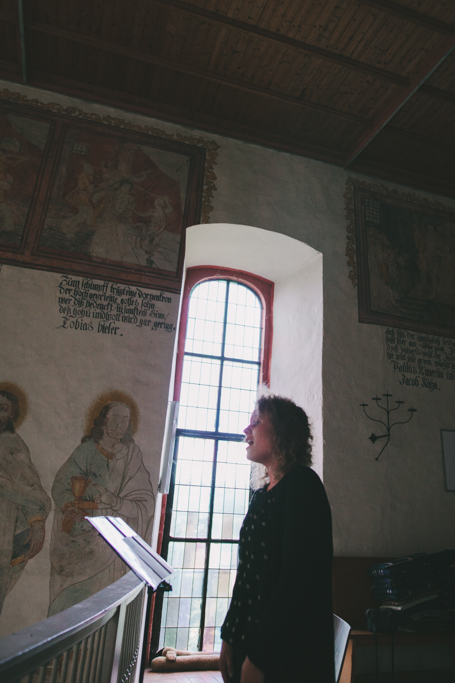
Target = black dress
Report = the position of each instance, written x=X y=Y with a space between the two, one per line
x=281 y=609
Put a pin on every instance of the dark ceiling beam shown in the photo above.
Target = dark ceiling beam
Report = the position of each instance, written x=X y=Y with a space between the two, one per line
x=444 y=49
x=410 y=15
x=318 y=52
x=142 y=56
x=169 y=113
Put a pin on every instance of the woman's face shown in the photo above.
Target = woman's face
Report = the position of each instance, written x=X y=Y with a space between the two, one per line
x=260 y=437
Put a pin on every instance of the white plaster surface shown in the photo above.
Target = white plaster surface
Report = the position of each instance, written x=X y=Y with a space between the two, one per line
x=63 y=371
x=392 y=507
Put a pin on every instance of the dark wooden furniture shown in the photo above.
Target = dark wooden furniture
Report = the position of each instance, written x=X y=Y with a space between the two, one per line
x=351 y=598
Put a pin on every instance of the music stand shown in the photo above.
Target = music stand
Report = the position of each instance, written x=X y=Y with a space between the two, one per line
x=139 y=556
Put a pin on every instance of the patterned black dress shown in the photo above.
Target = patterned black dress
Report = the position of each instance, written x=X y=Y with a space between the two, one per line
x=281 y=610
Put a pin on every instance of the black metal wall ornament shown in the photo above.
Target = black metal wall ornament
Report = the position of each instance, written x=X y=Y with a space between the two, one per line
x=373 y=438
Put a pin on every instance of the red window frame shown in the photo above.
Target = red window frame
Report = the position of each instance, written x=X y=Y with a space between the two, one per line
x=262 y=287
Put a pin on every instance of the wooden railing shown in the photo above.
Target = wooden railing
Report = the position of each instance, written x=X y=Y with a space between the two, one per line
x=99 y=640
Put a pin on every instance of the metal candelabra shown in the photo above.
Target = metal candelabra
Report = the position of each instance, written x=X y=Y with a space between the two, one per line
x=387 y=424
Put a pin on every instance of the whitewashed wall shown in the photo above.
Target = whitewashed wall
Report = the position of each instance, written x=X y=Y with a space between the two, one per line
x=395 y=506
x=63 y=371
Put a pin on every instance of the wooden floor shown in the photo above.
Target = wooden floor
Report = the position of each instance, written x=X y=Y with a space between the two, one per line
x=184 y=677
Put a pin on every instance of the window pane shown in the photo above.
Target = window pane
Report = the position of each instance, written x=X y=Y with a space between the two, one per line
x=206 y=318
x=231 y=490
x=192 y=489
x=216 y=395
x=243 y=329
x=238 y=394
x=199 y=394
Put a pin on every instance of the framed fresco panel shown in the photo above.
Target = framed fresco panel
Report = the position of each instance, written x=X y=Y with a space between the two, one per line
x=23 y=149
x=95 y=200
x=405 y=256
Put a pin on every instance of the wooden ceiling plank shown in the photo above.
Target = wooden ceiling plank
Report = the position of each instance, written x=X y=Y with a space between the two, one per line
x=237 y=62
x=8 y=14
x=96 y=17
x=349 y=26
x=10 y=45
x=306 y=23
x=415 y=52
x=445 y=48
x=279 y=75
x=444 y=78
x=273 y=17
x=64 y=15
x=207 y=39
x=175 y=32
x=185 y=39
x=234 y=45
x=143 y=23
x=434 y=142
x=437 y=93
x=219 y=49
x=154 y=59
x=193 y=43
x=9 y=71
x=265 y=12
x=324 y=24
x=47 y=11
x=122 y=24
x=156 y=83
x=169 y=32
x=106 y=21
x=410 y=15
x=255 y=63
x=73 y=15
x=129 y=76
x=85 y=18
x=358 y=37
x=318 y=52
x=423 y=117
x=332 y=22
x=289 y=17
x=263 y=66
x=148 y=80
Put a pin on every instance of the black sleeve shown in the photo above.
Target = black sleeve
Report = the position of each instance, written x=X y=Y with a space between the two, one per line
x=299 y=617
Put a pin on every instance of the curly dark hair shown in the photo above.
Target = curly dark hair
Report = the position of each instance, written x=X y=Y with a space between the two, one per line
x=98 y=426
x=292 y=430
x=12 y=398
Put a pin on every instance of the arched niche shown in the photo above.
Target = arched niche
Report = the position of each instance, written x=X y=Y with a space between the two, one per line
x=296 y=270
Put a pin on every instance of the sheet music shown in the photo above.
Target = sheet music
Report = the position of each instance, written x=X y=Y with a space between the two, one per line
x=137 y=554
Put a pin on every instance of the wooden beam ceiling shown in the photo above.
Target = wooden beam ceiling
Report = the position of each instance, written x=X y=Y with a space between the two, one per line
x=313 y=50
x=431 y=64
x=345 y=81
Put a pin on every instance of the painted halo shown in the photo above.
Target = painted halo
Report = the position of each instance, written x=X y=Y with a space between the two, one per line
x=110 y=397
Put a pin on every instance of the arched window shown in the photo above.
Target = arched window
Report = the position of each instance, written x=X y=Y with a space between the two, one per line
x=225 y=334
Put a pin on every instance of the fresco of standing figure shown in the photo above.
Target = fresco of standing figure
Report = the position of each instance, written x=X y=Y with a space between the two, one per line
x=105 y=475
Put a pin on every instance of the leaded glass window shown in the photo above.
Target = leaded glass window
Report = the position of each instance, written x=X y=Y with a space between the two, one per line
x=210 y=482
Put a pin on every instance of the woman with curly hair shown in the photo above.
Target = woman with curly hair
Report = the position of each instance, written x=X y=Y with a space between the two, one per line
x=279 y=627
